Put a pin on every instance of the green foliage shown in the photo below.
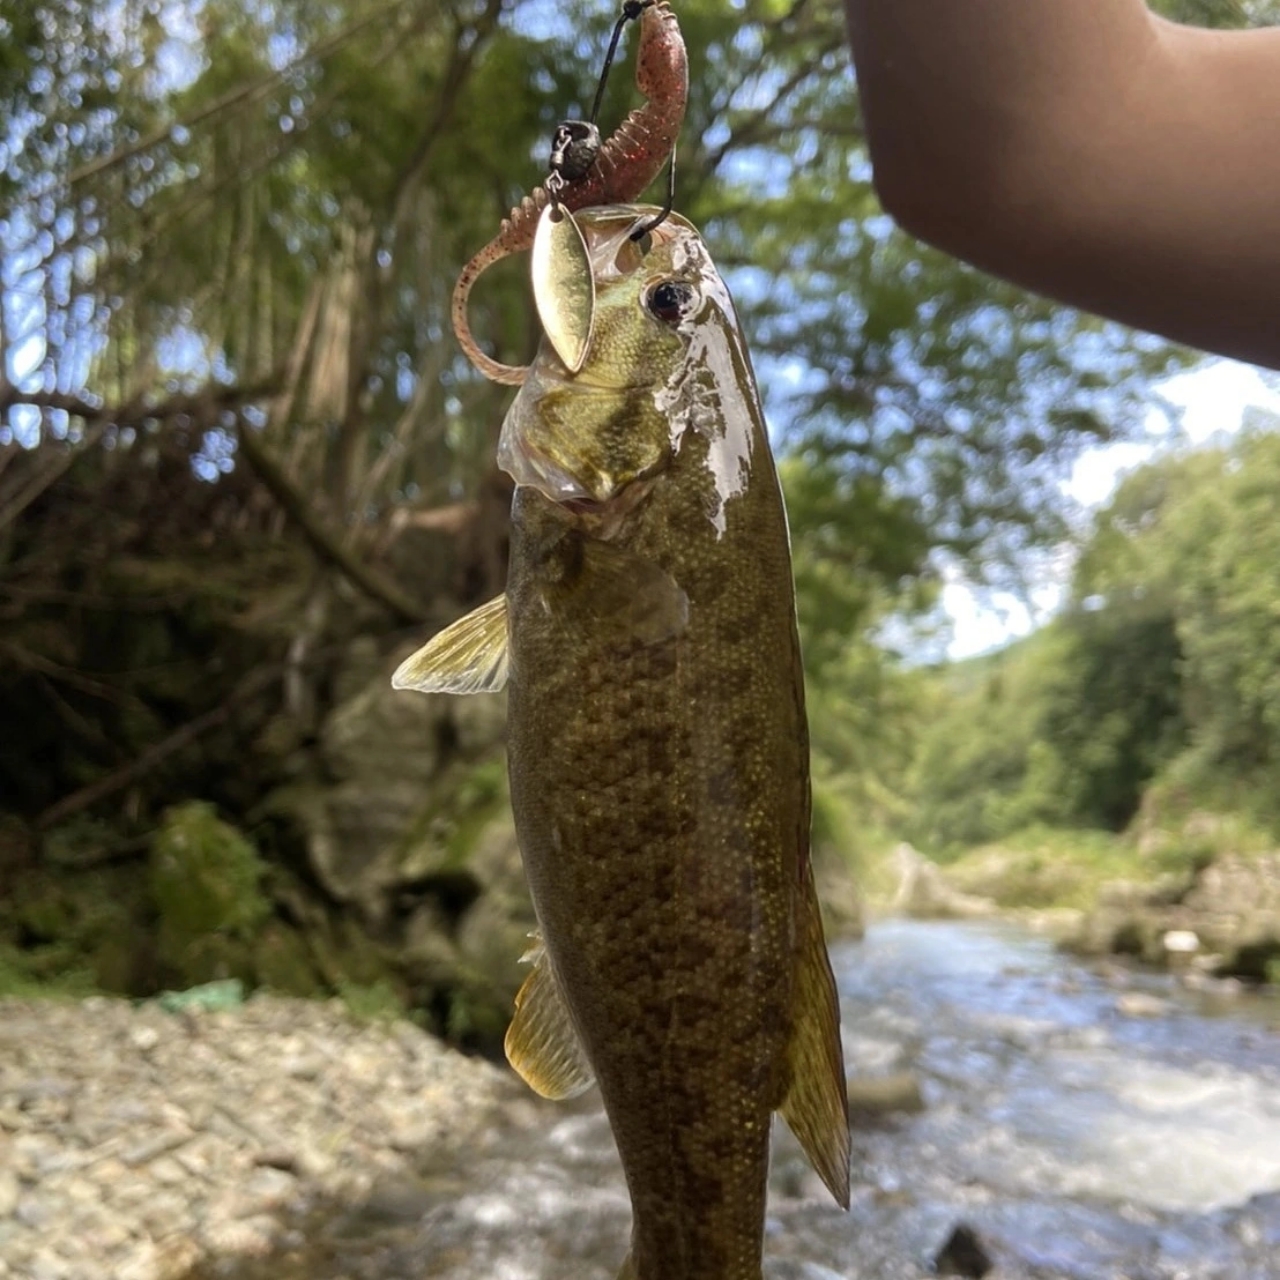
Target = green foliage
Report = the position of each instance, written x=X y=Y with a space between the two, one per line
x=1040 y=866
x=43 y=974
x=1198 y=537
x=245 y=221
x=1158 y=688
x=287 y=193
x=371 y=1002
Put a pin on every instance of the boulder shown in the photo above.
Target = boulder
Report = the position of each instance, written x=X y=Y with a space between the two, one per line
x=1226 y=917
x=924 y=892
x=206 y=885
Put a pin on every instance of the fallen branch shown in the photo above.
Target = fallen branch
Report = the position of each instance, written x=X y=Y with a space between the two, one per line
x=204 y=407
x=252 y=685
x=201 y=405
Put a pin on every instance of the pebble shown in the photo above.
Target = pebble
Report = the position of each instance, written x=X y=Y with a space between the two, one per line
x=8 y=1192
x=136 y=1144
x=885 y=1095
x=1140 y=1004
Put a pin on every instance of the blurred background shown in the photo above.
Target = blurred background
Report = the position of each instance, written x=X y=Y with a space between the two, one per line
x=244 y=470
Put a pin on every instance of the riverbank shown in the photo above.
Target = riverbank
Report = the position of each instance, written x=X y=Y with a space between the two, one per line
x=1069 y=1130
x=137 y=1143
x=1212 y=918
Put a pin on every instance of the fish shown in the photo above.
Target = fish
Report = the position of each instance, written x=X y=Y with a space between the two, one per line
x=657 y=744
x=627 y=162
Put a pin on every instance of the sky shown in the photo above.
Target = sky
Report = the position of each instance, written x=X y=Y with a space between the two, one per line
x=1208 y=399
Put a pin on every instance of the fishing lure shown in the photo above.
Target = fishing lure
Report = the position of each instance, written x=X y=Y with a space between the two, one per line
x=586 y=172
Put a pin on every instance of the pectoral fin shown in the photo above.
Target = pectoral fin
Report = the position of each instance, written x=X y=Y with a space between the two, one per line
x=469 y=656
x=817 y=1104
x=542 y=1044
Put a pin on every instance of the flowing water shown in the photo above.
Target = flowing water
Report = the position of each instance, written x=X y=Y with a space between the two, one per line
x=1072 y=1138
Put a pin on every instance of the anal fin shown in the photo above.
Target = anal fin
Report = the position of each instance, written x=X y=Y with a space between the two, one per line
x=542 y=1043
x=468 y=656
x=816 y=1106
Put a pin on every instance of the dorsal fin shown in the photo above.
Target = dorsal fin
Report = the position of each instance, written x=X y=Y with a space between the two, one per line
x=542 y=1043
x=468 y=656
x=817 y=1102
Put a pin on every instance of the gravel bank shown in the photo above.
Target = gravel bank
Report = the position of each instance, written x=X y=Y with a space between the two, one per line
x=136 y=1143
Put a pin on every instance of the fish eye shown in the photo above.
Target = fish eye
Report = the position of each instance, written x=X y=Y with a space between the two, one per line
x=670 y=301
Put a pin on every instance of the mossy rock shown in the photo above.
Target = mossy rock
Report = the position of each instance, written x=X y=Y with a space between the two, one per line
x=206 y=884
x=282 y=962
x=94 y=920
x=451 y=825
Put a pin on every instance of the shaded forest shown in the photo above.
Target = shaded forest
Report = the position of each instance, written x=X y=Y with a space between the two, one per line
x=244 y=469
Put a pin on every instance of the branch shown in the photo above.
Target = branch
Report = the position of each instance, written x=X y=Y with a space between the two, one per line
x=324 y=543
x=254 y=683
x=23 y=657
x=241 y=93
x=204 y=406
x=208 y=401
x=23 y=493
x=752 y=128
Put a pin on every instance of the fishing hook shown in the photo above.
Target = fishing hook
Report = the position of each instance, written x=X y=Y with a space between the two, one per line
x=641 y=233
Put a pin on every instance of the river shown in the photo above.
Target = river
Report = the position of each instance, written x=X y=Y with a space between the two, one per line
x=1070 y=1136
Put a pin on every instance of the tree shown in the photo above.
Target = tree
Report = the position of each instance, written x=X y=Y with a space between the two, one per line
x=1163 y=665
x=233 y=238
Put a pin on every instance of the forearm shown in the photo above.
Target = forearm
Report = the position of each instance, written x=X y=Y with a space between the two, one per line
x=1086 y=150
x=957 y=90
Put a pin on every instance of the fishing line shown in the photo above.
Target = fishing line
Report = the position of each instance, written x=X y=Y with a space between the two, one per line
x=576 y=143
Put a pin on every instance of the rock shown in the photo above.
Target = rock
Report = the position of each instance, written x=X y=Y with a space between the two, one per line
x=1230 y=908
x=8 y=1192
x=205 y=881
x=392 y=760
x=924 y=893
x=1180 y=942
x=871 y=1096
x=1141 y=1004
x=397 y=1199
x=173 y=1150
x=144 y=1038
x=963 y=1254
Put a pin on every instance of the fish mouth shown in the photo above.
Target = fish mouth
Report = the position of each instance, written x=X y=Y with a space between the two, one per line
x=604 y=517
x=533 y=468
x=586 y=506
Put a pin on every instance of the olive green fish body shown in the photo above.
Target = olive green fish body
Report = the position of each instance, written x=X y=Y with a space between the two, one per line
x=658 y=758
x=658 y=786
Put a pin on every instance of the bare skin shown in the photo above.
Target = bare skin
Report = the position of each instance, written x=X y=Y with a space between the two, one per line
x=1089 y=151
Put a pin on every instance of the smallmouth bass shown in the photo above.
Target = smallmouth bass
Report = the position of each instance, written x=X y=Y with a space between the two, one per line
x=658 y=749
